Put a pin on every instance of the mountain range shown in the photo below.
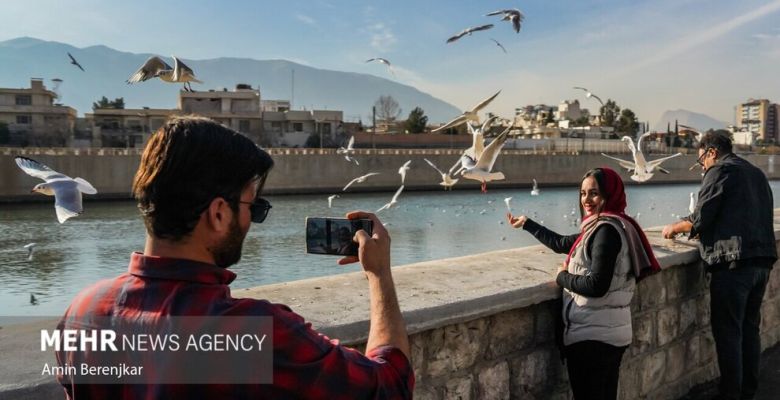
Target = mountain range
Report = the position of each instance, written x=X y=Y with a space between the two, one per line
x=106 y=70
x=696 y=120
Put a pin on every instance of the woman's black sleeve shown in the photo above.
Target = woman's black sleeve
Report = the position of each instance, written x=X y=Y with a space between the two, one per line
x=604 y=249
x=557 y=243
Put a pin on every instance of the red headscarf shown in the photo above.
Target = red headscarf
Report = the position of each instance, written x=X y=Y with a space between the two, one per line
x=614 y=195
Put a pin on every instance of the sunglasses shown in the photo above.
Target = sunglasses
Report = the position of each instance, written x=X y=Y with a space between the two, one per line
x=258 y=209
x=700 y=160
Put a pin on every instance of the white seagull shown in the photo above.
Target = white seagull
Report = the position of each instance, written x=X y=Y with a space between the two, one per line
x=478 y=168
x=506 y=201
x=447 y=179
x=350 y=149
x=30 y=247
x=155 y=67
x=403 y=169
x=359 y=179
x=513 y=15
x=470 y=115
x=330 y=200
x=535 y=190
x=589 y=94
x=393 y=201
x=383 y=61
x=692 y=204
x=468 y=31
x=642 y=170
x=66 y=190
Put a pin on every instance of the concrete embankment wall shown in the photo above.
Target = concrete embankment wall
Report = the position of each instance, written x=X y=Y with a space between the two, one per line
x=482 y=326
x=323 y=171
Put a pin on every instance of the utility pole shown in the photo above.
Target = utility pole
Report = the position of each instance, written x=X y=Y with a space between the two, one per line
x=373 y=127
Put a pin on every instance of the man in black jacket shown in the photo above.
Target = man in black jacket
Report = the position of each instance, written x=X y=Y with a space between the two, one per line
x=734 y=221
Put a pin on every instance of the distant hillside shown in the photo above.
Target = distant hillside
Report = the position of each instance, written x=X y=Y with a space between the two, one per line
x=107 y=69
x=699 y=121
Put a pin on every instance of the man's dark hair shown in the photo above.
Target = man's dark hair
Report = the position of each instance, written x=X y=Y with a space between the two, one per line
x=719 y=140
x=189 y=162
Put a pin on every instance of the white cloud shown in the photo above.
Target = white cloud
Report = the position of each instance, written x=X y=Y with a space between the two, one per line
x=305 y=19
x=382 y=38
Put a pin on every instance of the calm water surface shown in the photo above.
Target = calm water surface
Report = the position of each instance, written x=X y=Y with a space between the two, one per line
x=425 y=226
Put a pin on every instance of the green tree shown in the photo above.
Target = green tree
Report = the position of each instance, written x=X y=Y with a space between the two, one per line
x=609 y=113
x=583 y=120
x=5 y=134
x=118 y=103
x=416 y=121
x=627 y=123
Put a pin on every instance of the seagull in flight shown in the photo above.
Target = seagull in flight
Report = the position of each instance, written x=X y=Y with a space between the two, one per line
x=155 y=67
x=469 y=115
x=507 y=200
x=479 y=168
x=359 y=179
x=403 y=169
x=394 y=200
x=350 y=149
x=688 y=130
x=74 y=62
x=447 y=179
x=513 y=15
x=499 y=45
x=535 y=190
x=330 y=200
x=383 y=61
x=30 y=247
x=589 y=94
x=66 y=190
x=642 y=170
x=468 y=31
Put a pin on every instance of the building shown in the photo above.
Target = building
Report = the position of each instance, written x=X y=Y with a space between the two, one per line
x=111 y=127
x=238 y=109
x=760 y=118
x=293 y=128
x=568 y=111
x=275 y=105
x=33 y=118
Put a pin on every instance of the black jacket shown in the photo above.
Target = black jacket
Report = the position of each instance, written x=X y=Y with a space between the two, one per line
x=734 y=215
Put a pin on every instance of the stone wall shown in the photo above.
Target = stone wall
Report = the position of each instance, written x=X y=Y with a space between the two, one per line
x=296 y=171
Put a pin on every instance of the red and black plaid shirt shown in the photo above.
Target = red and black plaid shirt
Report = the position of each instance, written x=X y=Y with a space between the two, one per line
x=306 y=364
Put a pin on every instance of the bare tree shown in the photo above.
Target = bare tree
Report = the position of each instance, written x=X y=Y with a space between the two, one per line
x=387 y=110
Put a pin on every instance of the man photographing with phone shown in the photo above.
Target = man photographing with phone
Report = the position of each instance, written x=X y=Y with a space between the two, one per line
x=198 y=188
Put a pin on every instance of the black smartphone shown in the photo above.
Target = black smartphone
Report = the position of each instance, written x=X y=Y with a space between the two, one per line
x=334 y=235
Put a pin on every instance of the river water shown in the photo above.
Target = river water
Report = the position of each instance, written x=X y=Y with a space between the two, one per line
x=424 y=226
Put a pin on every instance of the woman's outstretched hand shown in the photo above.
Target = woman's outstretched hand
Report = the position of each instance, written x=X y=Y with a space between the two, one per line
x=516 y=222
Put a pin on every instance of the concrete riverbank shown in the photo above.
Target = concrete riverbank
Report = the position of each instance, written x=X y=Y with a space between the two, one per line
x=323 y=171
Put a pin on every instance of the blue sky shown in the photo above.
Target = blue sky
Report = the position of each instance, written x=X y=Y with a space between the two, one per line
x=650 y=56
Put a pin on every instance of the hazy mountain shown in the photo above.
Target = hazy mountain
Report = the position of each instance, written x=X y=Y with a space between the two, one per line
x=699 y=121
x=107 y=69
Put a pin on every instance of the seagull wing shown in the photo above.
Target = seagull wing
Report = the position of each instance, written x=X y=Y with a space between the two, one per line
x=397 y=193
x=484 y=103
x=38 y=170
x=517 y=20
x=433 y=166
x=597 y=98
x=350 y=183
x=351 y=144
x=67 y=199
x=478 y=142
x=623 y=163
x=656 y=163
x=149 y=70
x=495 y=13
x=457 y=36
x=181 y=72
x=455 y=122
x=84 y=186
x=639 y=141
x=489 y=156
x=74 y=62
x=370 y=59
x=480 y=28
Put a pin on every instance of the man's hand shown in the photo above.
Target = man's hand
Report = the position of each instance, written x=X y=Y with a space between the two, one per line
x=516 y=222
x=374 y=250
x=672 y=230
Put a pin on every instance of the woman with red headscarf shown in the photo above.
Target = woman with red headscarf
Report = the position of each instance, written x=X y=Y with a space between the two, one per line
x=605 y=259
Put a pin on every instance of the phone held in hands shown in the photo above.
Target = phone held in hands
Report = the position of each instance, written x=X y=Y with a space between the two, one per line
x=333 y=236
